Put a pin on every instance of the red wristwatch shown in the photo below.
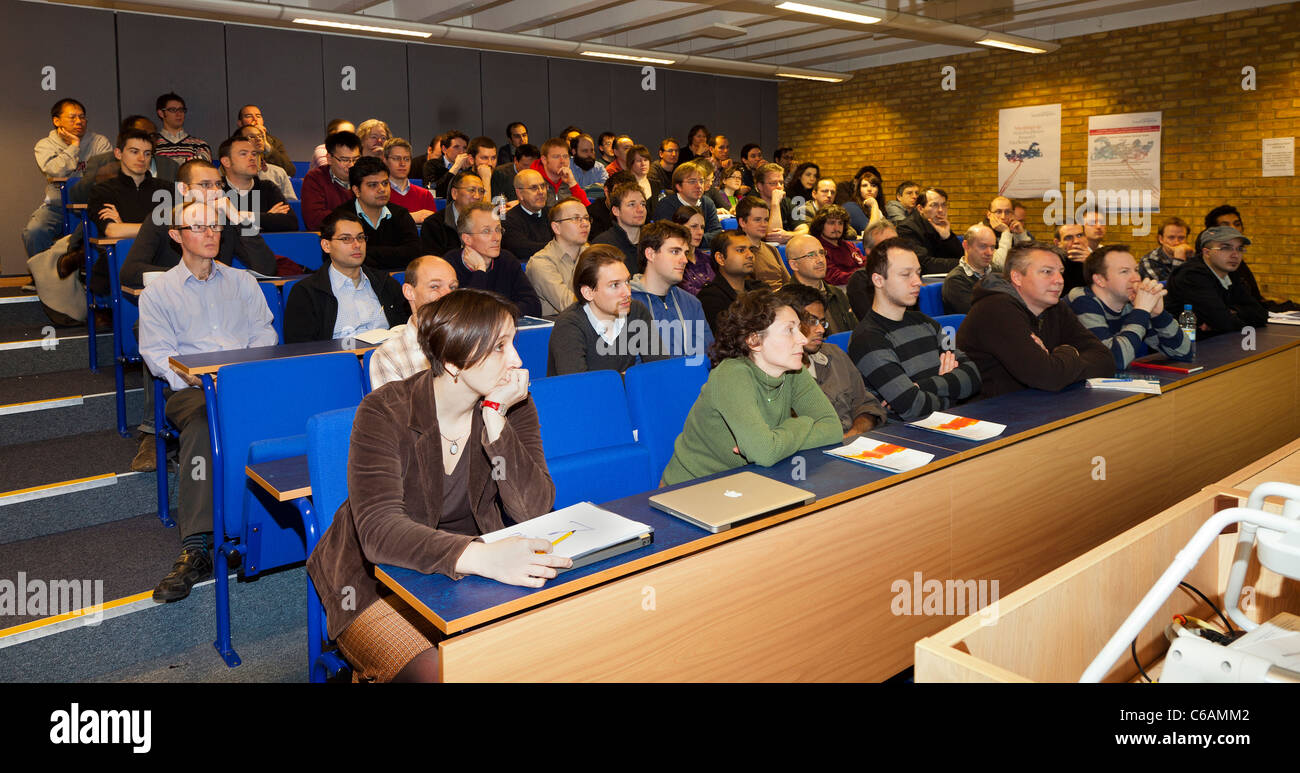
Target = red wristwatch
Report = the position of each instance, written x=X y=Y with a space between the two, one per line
x=495 y=406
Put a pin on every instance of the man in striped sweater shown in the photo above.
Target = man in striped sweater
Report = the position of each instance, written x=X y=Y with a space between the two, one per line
x=903 y=355
x=1123 y=309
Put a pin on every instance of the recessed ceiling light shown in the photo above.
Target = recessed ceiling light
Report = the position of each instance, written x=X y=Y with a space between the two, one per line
x=628 y=57
x=995 y=43
x=830 y=13
x=825 y=78
x=362 y=28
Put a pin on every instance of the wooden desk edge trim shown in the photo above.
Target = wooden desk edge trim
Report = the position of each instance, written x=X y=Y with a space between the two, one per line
x=280 y=496
x=1257 y=356
x=106 y=241
x=406 y=596
x=545 y=595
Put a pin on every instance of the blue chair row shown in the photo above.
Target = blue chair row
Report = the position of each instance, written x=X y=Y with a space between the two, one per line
x=301 y=168
x=728 y=223
x=931 y=301
x=328 y=439
x=296 y=183
x=626 y=434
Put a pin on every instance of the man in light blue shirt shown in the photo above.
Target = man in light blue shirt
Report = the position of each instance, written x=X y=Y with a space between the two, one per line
x=199 y=305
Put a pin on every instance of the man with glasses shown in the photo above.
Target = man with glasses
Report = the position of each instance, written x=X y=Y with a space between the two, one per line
x=198 y=305
x=808 y=264
x=60 y=154
x=401 y=191
x=482 y=264
x=327 y=187
x=344 y=296
x=927 y=227
x=173 y=141
x=527 y=228
x=1008 y=231
x=661 y=171
x=688 y=185
x=275 y=153
x=439 y=234
x=830 y=366
x=554 y=168
x=627 y=205
x=269 y=171
x=392 y=240
x=550 y=270
x=525 y=155
x=1213 y=286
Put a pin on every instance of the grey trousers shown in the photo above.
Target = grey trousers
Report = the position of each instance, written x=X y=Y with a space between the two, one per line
x=185 y=409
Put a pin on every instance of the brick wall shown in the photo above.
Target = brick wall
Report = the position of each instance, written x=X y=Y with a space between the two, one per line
x=899 y=119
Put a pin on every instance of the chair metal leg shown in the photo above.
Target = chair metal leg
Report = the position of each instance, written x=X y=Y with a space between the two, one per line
x=221 y=574
x=119 y=383
x=160 y=454
x=223 y=547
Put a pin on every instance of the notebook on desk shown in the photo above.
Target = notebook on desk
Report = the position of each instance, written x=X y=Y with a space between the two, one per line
x=718 y=505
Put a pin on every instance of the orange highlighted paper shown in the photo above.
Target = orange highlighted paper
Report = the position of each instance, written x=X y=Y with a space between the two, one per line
x=960 y=426
x=882 y=455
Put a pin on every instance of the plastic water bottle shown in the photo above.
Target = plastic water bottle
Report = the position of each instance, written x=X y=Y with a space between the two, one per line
x=1187 y=321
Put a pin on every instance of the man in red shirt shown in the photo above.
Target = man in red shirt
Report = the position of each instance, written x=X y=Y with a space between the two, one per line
x=553 y=166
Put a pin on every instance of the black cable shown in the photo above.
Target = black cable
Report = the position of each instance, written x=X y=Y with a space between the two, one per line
x=1204 y=598
x=1133 y=647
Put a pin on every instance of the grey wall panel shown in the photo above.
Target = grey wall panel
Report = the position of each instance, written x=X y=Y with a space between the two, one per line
x=689 y=99
x=83 y=70
x=280 y=72
x=515 y=87
x=579 y=97
x=443 y=86
x=380 y=81
x=636 y=112
x=739 y=111
x=156 y=54
x=769 y=123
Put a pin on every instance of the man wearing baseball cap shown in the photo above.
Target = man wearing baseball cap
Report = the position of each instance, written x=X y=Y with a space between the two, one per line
x=1211 y=283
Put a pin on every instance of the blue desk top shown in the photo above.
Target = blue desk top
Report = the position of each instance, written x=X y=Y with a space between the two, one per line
x=285 y=479
x=209 y=362
x=456 y=605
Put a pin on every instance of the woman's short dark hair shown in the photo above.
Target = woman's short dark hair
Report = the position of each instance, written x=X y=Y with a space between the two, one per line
x=831 y=212
x=589 y=264
x=462 y=327
x=751 y=313
x=683 y=214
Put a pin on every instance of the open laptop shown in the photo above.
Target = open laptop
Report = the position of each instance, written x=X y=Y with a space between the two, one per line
x=719 y=504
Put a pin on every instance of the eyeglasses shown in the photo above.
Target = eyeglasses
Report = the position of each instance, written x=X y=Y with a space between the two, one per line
x=348 y=239
x=176 y=110
x=210 y=185
x=198 y=229
x=349 y=160
x=693 y=181
x=491 y=231
x=818 y=321
x=535 y=188
x=473 y=191
x=579 y=218
x=813 y=254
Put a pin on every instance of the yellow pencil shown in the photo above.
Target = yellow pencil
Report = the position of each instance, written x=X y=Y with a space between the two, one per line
x=565 y=536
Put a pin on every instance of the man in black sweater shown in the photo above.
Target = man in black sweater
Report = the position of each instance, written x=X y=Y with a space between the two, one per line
x=481 y=262
x=527 y=228
x=343 y=297
x=239 y=166
x=733 y=257
x=1213 y=285
x=119 y=205
x=392 y=240
x=937 y=247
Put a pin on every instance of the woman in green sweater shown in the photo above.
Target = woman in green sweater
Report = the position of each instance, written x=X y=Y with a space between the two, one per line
x=760 y=405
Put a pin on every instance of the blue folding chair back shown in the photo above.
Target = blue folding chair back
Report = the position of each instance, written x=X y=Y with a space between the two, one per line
x=728 y=223
x=931 y=301
x=296 y=207
x=365 y=370
x=659 y=396
x=841 y=339
x=328 y=438
x=533 y=343
x=439 y=205
x=587 y=438
x=302 y=247
x=276 y=304
x=950 y=321
x=296 y=183
x=301 y=168
x=258 y=412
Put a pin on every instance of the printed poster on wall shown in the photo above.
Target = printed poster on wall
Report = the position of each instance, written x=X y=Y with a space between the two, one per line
x=1124 y=161
x=1029 y=151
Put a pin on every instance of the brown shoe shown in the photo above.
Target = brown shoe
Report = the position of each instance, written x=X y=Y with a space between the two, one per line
x=146 y=457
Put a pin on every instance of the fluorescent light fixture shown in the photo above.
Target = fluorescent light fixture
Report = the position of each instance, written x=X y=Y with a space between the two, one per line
x=995 y=43
x=628 y=57
x=830 y=13
x=363 y=28
x=825 y=78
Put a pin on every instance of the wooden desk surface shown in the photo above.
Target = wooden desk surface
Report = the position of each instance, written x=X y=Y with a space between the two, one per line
x=209 y=362
x=285 y=479
x=1012 y=509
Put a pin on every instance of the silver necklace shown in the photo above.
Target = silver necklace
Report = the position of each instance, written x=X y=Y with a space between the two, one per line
x=455 y=444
